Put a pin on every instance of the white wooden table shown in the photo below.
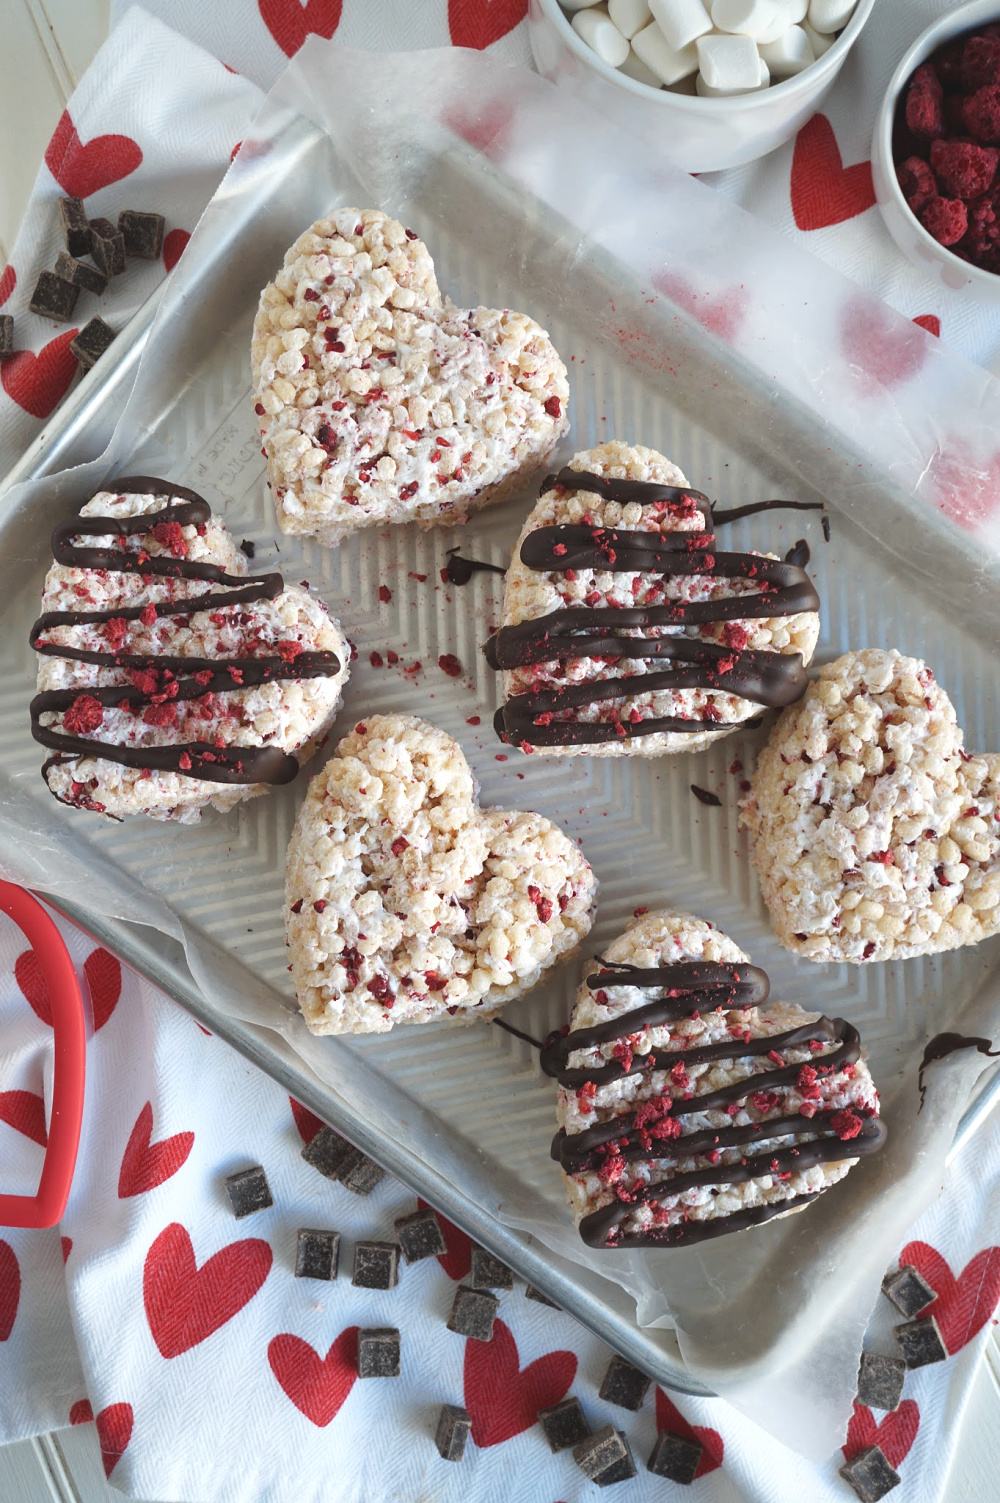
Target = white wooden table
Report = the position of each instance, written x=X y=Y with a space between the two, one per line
x=50 y=43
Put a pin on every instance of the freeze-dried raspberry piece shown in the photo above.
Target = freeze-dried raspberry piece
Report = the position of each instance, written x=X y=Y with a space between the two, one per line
x=946 y=219
x=980 y=63
x=963 y=168
x=924 y=104
x=917 y=182
x=981 y=114
x=983 y=235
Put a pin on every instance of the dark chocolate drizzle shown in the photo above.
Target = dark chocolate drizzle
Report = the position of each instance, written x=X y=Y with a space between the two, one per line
x=460 y=570
x=173 y=675
x=688 y=988
x=943 y=1044
x=769 y=678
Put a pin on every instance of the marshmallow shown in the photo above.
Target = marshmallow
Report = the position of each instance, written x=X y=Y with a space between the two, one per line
x=635 y=68
x=817 y=41
x=577 y=4
x=707 y=92
x=794 y=10
x=828 y=16
x=789 y=54
x=670 y=64
x=727 y=65
x=629 y=16
x=763 y=20
x=595 y=27
x=681 y=21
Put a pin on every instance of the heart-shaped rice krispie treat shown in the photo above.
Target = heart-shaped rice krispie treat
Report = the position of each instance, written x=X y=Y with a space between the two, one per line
x=690 y=1105
x=380 y=402
x=405 y=902
x=873 y=832
x=170 y=678
x=627 y=631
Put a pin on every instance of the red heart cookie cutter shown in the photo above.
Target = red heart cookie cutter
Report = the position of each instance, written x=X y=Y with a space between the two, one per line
x=46 y=1206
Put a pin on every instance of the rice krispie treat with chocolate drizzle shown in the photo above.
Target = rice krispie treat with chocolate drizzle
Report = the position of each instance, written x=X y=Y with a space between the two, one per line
x=379 y=401
x=628 y=631
x=170 y=678
x=874 y=833
x=405 y=902
x=689 y=1105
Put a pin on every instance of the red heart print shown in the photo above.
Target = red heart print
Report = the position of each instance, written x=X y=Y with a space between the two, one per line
x=185 y=1304
x=457 y=1261
x=965 y=487
x=38 y=383
x=316 y=1385
x=81 y=1413
x=10 y=1289
x=669 y=1417
x=104 y=977
x=477 y=23
x=504 y=1400
x=881 y=350
x=82 y=168
x=28 y=975
x=173 y=244
x=290 y=22
x=721 y=313
x=824 y=191
x=963 y=1305
x=8 y=281
x=146 y=1165
x=67 y=1246
x=894 y=1436
x=25 y=1112
x=930 y=322
x=307 y=1124
x=114 y=1431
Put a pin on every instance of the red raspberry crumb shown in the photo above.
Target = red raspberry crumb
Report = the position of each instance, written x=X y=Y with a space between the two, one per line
x=381 y=990
x=399 y=845
x=361 y=729
x=765 y=1101
x=638 y=912
x=980 y=63
x=259 y=409
x=83 y=715
x=297 y=906
x=448 y=663
x=924 y=106
x=171 y=535
x=165 y=714
x=472 y=720
x=543 y=906
x=981 y=114
x=384 y=594
x=585 y=1095
x=806 y=1077
x=946 y=219
x=115 y=630
x=734 y=635
x=148 y=614
x=846 y=1125
x=184 y=762
x=289 y=651
x=375 y=658
x=964 y=170
x=319 y=904
x=392 y=657
x=917 y=181
x=435 y=983
x=553 y=407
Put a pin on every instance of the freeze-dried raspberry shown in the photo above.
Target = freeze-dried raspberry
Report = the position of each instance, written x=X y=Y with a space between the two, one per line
x=946 y=219
x=983 y=236
x=981 y=114
x=964 y=169
x=917 y=182
x=83 y=715
x=924 y=104
x=980 y=63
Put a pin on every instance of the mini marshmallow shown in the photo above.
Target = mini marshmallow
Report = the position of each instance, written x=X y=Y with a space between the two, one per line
x=681 y=21
x=763 y=20
x=794 y=11
x=595 y=27
x=635 y=68
x=818 y=41
x=828 y=16
x=789 y=54
x=728 y=64
x=707 y=92
x=669 y=64
x=629 y=16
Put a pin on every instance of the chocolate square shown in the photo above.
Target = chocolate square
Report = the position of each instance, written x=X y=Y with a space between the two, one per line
x=91 y=342
x=675 y=1457
x=376 y=1265
x=248 y=1192
x=473 y=1313
x=378 y=1352
x=880 y=1381
x=908 y=1291
x=870 y=1474
x=326 y=1152
x=921 y=1342
x=624 y=1385
x=618 y=1471
x=600 y=1451
x=80 y=273
x=142 y=233
x=488 y=1272
x=360 y=1174
x=420 y=1235
x=107 y=247
x=6 y=334
x=454 y=1424
x=75 y=226
x=53 y=298
x=530 y=1292
x=316 y=1254
x=564 y=1425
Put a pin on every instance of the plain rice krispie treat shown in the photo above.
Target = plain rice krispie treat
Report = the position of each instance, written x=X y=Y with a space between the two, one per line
x=690 y=1106
x=171 y=679
x=633 y=572
x=873 y=832
x=380 y=402
x=406 y=902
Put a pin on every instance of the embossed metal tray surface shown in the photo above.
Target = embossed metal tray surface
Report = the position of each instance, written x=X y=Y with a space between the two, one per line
x=463 y=1114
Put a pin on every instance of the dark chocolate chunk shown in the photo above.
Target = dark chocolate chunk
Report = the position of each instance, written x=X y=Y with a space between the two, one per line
x=921 y=1342
x=564 y=1425
x=107 y=247
x=316 y=1254
x=75 y=226
x=454 y=1424
x=600 y=1451
x=326 y=1152
x=618 y=1471
x=488 y=1272
x=248 y=548
x=624 y=1384
x=880 y=1381
x=376 y=1265
x=91 y=342
x=378 y=1352
x=908 y=1291
x=80 y=273
x=530 y=1292
x=53 y=298
x=420 y=1235
x=360 y=1174
x=142 y=233
x=674 y=1457
x=248 y=1191
x=870 y=1474
x=6 y=334
x=704 y=796
x=473 y=1313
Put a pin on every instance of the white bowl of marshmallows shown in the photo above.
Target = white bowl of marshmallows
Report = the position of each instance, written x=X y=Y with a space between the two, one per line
x=712 y=83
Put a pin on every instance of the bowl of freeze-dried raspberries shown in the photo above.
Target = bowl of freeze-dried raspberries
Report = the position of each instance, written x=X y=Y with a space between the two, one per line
x=936 y=151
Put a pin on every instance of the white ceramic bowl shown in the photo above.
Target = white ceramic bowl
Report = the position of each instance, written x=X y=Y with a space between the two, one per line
x=903 y=225
x=699 y=135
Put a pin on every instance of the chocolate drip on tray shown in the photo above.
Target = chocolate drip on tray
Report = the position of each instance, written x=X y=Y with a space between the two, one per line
x=460 y=570
x=943 y=1044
